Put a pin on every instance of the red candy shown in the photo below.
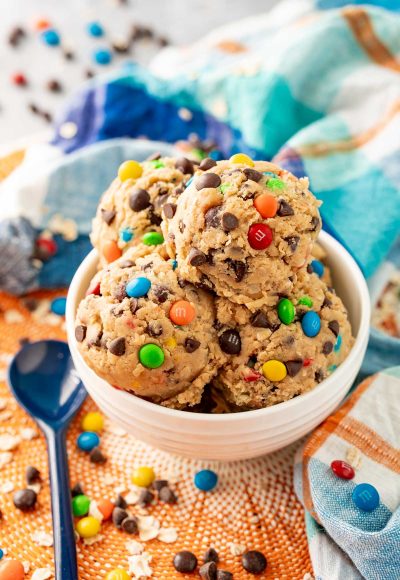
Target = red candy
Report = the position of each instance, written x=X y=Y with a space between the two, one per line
x=252 y=376
x=342 y=469
x=19 y=79
x=307 y=362
x=260 y=236
x=94 y=288
x=48 y=245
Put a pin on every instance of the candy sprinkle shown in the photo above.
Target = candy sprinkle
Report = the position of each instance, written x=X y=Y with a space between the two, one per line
x=151 y=356
x=126 y=234
x=80 y=505
x=241 y=159
x=129 y=170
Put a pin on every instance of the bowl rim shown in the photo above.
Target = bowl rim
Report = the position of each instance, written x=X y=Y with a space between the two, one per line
x=359 y=284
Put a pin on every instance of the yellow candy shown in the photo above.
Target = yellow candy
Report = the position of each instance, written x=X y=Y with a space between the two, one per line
x=129 y=170
x=274 y=370
x=88 y=527
x=118 y=574
x=241 y=159
x=171 y=343
x=143 y=476
x=93 y=422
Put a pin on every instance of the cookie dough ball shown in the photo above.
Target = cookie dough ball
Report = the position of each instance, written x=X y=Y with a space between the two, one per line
x=131 y=207
x=244 y=229
x=280 y=352
x=143 y=330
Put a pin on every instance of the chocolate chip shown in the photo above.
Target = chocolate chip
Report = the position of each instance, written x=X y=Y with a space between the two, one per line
x=208 y=571
x=155 y=220
x=224 y=575
x=259 y=320
x=212 y=217
x=130 y=525
x=117 y=346
x=68 y=54
x=293 y=367
x=196 y=257
x=191 y=344
x=229 y=221
x=166 y=495
x=230 y=341
x=207 y=163
x=169 y=210
x=184 y=165
x=120 y=502
x=139 y=200
x=315 y=223
x=126 y=264
x=252 y=174
x=32 y=474
x=96 y=456
x=207 y=180
x=80 y=332
x=239 y=268
x=133 y=305
x=211 y=555
x=96 y=340
x=119 y=293
x=292 y=242
x=254 y=562
x=54 y=86
x=333 y=325
x=284 y=209
x=147 y=266
x=154 y=329
x=108 y=215
x=185 y=561
x=181 y=226
x=77 y=490
x=118 y=516
x=145 y=497
x=327 y=347
x=24 y=499
x=161 y=293
x=319 y=375
x=326 y=303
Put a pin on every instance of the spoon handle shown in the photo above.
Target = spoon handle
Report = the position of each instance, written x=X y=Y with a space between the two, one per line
x=63 y=527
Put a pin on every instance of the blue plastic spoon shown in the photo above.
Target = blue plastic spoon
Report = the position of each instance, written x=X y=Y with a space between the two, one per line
x=44 y=381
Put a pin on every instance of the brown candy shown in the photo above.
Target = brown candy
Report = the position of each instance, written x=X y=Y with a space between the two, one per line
x=211 y=555
x=230 y=341
x=32 y=475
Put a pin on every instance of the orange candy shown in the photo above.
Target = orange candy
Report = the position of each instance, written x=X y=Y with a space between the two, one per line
x=106 y=507
x=11 y=570
x=111 y=251
x=182 y=312
x=41 y=24
x=266 y=205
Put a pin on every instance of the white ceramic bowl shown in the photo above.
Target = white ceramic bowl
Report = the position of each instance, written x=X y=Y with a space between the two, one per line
x=238 y=435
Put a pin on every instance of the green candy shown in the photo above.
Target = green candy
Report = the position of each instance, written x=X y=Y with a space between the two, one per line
x=152 y=239
x=224 y=187
x=286 y=311
x=151 y=356
x=157 y=164
x=275 y=184
x=306 y=301
x=80 y=505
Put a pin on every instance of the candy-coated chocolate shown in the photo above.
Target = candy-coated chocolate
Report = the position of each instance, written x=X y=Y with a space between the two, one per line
x=41 y=24
x=260 y=236
x=143 y=476
x=50 y=37
x=182 y=312
x=305 y=301
x=338 y=343
x=151 y=356
x=106 y=507
x=88 y=440
x=138 y=287
x=242 y=159
x=274 y=370
x=80 y=505
x=111 y=251
x=266 y=205
x=311 y=324
x=342 y=469
x=88 y=527
x=58 y=305
x=286 y=311
x=366 y=497
x=174 y=264
x=93 y=421
x=102 y=56
x=205 y=480
x=153 y=239
x=1 y=553
x=318 y=268
x=130 y=170
x=126 y=234
x=95 y=29
x=118 y=574
x=11 y=570
x=275 y=184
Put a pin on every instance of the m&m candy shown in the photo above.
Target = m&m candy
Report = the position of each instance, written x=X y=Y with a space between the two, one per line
x=311 y=324
x=274 y=370
x=92 y=421
x=106 y=507
x=19 y=79
x=241 y=159
x=111 y=251
x=305 y=301
x=118 y=574
x=365 y=497
x=318 y=268
x=266 y=205
x=151 y=356
x=342 y=469
x=102 y=56
x=153 y=239
x=338 y=343
x=260 y=236
x=126 y=234
x=138 y=287
x=95 y=29
x=50 y=37
x=88 y=527
x=57 y=306
x=182 y=312
x=80 y=505
x=205 y=480
x=11 y=570
x=286 y=311
x=174 y=264
x=275 y=184
x=130 y=170
x=88 y=441
x=143 y=476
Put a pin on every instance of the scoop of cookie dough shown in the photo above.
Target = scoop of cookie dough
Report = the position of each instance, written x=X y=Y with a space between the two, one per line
x=244 y=229
x=278 y=352
x=143 y=330
x=131 y=207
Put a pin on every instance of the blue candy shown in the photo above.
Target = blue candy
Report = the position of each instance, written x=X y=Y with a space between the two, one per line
x=138 y=287
x=205 y=479
x=189 y=181
x=95 y=29
x=126 y=234
x=366 y=497
x=88 y=440
x=58 y=306
x=318 y=268
x=338 y=343
x=102 y=56
x=51 y=37
x=311 y=324
x=174 y=264
x=1 y=553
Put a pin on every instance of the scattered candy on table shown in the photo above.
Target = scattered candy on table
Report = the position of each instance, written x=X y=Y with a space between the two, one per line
x=88 y=527
x=58 y=306
x=143 y=476
x=205 y=480
x=366 y=497
x=106 y=508
x=11 y=570
x=87 y=441
x=102 y=56
x=118 y=574
x=111 y=251
x=95 y=29
x=19 y=79
x=80 y=505
x=254 y=562
x=93 y=421
x=311 y=324
x=342 y=469
x=50 y=37
x=185 y=562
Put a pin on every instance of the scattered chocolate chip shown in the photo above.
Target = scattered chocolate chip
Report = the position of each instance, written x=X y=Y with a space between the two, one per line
x=326 y=303
x=239 y=268
x=161 y=293
x=54 y=86
x=77 y=490
x=96 y=456
x=169 y=210
x=89 y=73
x=196 y=257
x=211 y=555
x=32 y=475
x=133 y=305
x=130 y=525
x=185 y=561
x=230 y=341
x=259 y=320
x=158 y=484
x=333 y=325
x=117 y=346
x=80 y=332
x=293 y=242
x=254 y=562
x=154 y=329
x=33 y=108
x=229 y=221
x=108 y=215
x=252 y=174
x=284 y=209
x=126 y=264
x=23 y=341
x=68 y=54
x=46 y=116
x=139 y=200
x=181 y=226
x=212 y=217
x=24 y=499
x=224 y=575
x=166 y=495
x=208 y=571
x=120 y=502
x=327 y=347
x=293 y=367
x=319 y=375
x=119 y=293
x=191 y=344
x=207 y=180
x=207 y=163
x=184 y=165
x=118 y=516
x=15 y=36
x=145 y=497
x=315 y=223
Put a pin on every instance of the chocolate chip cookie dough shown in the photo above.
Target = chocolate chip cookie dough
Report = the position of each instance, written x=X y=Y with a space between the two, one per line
x=243 y=229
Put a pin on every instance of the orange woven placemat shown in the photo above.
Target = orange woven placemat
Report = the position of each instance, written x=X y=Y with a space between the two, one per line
x=254 y=504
